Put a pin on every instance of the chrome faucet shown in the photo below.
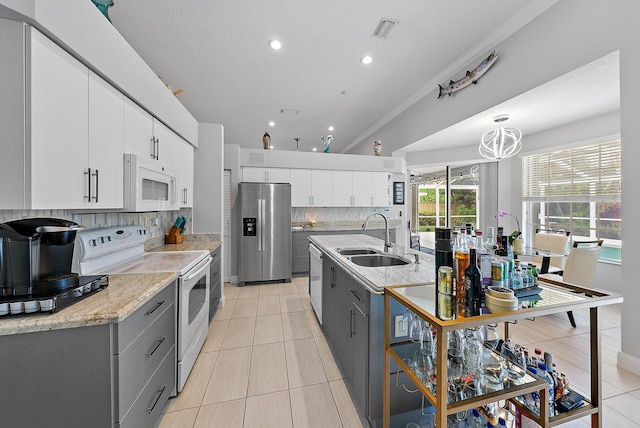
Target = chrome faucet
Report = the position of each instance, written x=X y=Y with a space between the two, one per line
x=387 y=241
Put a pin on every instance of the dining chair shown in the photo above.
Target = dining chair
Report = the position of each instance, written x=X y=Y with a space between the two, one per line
x=580 y=268
x=553 y=242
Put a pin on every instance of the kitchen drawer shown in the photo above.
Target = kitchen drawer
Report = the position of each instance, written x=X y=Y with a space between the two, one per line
x=132 y=326
x=147 y=409
x=140 y=360
x=360 y=296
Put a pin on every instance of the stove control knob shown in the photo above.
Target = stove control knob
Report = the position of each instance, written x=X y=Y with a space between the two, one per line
x=93 y=243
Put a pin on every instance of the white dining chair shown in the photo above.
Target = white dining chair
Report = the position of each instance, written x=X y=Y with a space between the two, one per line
x=550 y=242
x=580 y=267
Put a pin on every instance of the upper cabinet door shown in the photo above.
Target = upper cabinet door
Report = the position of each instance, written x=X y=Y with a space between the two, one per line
x=380 y=184
x=184 y=154
x=138 y=131
x=322 y=187
x=342 y=188
x=265 y=175
x=59 y=127
x=106 y=123
x=362 y=189
x=301 y=193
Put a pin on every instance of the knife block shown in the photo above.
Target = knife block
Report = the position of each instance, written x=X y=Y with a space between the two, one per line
x=174 y=236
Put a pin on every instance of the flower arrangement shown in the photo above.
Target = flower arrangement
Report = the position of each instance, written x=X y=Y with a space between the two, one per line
x=516 y=233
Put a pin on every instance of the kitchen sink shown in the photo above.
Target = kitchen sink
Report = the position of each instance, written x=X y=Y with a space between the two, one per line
x=378 y=260
x=356 y=251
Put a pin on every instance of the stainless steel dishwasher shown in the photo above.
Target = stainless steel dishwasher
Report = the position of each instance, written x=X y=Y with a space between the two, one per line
x=315 y=280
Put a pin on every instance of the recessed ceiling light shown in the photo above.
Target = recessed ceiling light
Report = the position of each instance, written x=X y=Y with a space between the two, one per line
x=314 y=149
x=272 y=123
x=275 y=44
x=331 y=128
x=271 y=147
x=366 y=59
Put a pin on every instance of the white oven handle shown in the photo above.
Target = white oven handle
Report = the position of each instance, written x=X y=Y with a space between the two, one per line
x=201 y=267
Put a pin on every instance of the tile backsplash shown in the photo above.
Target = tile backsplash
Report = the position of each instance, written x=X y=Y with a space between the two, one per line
x=157 y=223
x=309 y=214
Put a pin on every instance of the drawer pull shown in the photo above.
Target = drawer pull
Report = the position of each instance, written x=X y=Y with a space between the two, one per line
x=155 y=402
x=150 y=354
x=356 y=296
x=155 y=308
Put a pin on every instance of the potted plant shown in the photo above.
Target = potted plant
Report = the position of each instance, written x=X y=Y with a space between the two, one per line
x=515 y=238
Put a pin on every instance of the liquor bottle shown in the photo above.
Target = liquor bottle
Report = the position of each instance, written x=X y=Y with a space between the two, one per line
x=534 y=272
x=473 y=282
x=461 y=256
x=485 y=259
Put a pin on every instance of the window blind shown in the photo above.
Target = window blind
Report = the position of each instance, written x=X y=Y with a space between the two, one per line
x=590 y=173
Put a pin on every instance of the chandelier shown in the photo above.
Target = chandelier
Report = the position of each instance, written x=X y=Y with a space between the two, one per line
x=500 y=143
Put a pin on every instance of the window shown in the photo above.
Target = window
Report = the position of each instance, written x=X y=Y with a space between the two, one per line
x=578 y=190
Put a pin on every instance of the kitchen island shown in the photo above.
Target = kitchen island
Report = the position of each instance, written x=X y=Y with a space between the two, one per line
x=353 y=316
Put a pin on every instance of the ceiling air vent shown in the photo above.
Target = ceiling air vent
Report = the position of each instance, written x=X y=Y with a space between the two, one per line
x=383 y=28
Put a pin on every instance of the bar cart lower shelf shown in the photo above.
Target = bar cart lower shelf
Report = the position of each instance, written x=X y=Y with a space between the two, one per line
x=555 y=297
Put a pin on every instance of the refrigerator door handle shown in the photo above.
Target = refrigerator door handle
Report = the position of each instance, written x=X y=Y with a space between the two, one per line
x=259 y=225
x=263 y=213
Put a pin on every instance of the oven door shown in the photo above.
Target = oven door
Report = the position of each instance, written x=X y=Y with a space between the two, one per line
x=193 y=317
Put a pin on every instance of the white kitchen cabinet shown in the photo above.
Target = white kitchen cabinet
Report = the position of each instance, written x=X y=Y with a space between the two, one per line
x=360 y=189
x=311 y=187
x=380 y=184
x=265 y=175
x=138 y=131
x=106 y=121
x=56 y=172
x=342 y=188
x=64 y=127
x=184 y=160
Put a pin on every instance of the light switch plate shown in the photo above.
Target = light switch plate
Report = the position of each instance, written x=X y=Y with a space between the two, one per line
x=400 y=329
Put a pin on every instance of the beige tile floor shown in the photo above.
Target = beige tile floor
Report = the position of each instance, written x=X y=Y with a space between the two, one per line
x=266 y=363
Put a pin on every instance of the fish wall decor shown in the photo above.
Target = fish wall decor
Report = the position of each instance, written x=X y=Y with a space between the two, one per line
x=471 y=77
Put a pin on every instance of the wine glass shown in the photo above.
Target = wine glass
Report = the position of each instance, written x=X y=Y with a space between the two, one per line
x=491 y=371
x=514 y=361
x=415 y=328
x=454 y=354
x=425 y=367
x=492 y=338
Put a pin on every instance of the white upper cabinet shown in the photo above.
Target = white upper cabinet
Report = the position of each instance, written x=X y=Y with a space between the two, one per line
x=106 y=143
x=311 y=187
x=360 y=189
x=138 y=131
x=265 y=175
x=63 y=127
x=57 y=175
x=183 y=165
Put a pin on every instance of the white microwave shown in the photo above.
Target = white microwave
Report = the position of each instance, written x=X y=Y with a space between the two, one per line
x=149 y=185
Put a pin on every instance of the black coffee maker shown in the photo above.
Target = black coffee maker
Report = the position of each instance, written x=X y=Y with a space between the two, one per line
x=36 y=255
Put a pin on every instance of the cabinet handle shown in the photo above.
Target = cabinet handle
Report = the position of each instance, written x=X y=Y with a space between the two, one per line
x=155 y=307
x=351 y=314
x=158 y=343
x=95 y=198
x=155 y=401
x=186 y=195
x=372 y=200
x=266 y=175
x=88 y=174
x=333 y=277
x=310 y=200
x=157 y=148
x=356 y=296
x=313 y=201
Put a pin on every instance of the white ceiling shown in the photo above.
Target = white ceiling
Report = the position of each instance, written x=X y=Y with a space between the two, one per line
x=217 y=52
x=589 y=91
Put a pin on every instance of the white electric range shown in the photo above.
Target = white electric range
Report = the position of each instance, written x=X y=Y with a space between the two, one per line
x=120 y=250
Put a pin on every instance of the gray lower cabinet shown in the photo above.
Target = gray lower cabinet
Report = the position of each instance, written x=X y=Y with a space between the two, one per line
x=353 y=322
x=347 y=313
x=215 y=289
x=112 y=375
x=300 y=245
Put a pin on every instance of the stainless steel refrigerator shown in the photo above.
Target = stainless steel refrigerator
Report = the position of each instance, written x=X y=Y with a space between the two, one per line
x=265 y=238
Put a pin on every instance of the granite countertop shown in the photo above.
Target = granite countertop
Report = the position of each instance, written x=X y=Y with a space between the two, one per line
x=192 y=242
x=124 y=295
x=322 y=226
x=376 y=278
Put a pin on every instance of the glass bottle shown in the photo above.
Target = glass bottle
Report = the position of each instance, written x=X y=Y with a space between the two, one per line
x=530 y=278
x=534 y=272
x=473 y=285
x=461 y=256
x=516 y=280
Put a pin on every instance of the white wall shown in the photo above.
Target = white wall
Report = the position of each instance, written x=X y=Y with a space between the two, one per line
x=570 y=34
